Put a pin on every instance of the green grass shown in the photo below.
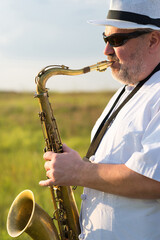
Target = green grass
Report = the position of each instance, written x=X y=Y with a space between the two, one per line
x=21 y=142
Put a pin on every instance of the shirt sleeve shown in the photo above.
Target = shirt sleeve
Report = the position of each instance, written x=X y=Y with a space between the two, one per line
x=147 y=161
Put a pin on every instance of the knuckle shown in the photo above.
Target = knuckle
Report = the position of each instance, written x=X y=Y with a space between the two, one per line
x=52 y=164
x=45 y=166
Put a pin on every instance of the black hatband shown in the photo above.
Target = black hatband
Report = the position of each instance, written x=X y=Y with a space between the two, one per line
x=133 y=17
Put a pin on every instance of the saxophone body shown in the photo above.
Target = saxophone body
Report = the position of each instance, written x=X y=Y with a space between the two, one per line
x=27 y=216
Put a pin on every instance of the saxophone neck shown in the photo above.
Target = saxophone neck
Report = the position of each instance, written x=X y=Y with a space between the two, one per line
x=52 y=70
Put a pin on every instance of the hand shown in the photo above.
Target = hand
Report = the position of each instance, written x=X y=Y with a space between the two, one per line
x=62 y=169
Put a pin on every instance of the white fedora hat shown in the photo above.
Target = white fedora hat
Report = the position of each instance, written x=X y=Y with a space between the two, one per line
x=131 y=14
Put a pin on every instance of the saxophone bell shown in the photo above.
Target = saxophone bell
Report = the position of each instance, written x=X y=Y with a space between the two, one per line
x=26 y=215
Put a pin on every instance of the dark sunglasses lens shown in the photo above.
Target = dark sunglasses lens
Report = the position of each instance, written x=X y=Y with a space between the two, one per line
x=116 y=41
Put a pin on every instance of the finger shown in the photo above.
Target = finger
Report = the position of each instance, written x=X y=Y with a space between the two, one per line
x=66 y=148
x=47 y=165
x=46 y=183
x=48 y=155
x=49 y=174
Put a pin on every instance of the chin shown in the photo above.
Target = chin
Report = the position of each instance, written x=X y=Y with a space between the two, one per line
x=119 y=76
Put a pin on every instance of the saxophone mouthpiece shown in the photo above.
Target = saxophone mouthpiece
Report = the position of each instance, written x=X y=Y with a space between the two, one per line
x=102 y=66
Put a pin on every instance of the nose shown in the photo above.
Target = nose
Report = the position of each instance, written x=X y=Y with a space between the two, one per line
x=108 y=50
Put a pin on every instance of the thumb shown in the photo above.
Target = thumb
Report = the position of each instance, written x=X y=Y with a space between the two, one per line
x=46 y=183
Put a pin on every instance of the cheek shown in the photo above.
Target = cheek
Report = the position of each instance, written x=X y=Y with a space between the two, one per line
x=122 y=54
x=128 y=54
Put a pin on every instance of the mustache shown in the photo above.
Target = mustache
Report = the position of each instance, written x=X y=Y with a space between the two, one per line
x=112 y=58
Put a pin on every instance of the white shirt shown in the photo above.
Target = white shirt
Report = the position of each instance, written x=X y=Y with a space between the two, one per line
x=133 y=140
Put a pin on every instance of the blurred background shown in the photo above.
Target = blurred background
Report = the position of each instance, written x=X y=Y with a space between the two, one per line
x=37 y=33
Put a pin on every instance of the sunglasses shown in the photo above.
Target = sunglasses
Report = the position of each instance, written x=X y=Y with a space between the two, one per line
x=119 y=39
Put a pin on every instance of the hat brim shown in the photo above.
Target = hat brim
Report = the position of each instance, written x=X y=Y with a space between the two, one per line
x=121 y=24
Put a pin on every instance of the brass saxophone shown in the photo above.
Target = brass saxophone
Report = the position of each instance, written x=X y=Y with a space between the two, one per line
x=27 y=216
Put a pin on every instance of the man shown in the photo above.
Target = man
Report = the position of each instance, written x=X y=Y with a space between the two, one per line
x=122 y=180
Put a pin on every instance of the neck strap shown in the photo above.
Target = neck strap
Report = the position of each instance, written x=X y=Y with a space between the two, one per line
x=109 y=119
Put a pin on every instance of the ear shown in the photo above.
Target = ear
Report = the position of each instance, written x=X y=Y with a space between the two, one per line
x=154 y=41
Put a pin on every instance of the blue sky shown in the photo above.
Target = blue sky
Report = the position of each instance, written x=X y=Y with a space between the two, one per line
x=37 y=33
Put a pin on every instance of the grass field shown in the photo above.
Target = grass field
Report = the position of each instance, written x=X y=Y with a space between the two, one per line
x=21 y=142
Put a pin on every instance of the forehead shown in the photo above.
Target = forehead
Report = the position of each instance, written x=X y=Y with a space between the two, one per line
x=111 y=30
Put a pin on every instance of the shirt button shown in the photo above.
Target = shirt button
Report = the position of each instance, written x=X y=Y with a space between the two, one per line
x=92 y=158
x=81 y=236
x=83 y=196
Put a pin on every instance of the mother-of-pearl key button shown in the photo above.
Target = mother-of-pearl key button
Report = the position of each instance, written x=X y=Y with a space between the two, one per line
x=83 y=196
x=92 y=158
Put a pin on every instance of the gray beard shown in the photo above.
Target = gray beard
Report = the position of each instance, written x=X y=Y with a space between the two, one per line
x=130 y=75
